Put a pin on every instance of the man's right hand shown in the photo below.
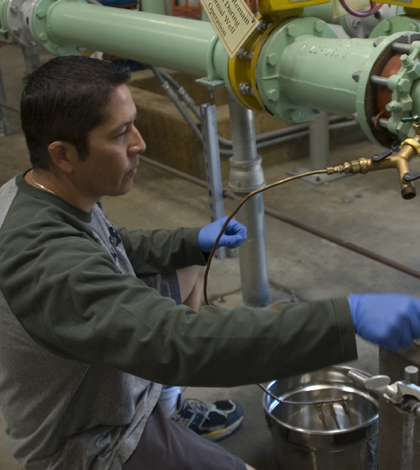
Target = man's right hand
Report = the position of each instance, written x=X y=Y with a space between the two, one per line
x=390 y=320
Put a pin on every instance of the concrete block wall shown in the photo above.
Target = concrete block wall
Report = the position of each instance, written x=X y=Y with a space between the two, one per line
x=170 y=140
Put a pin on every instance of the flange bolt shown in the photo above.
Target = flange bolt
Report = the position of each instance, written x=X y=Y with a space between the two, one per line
x=393 y=106
x=273 y=95
x=17 y=31
x=41 y=13
x=14 y=9
x=291 y=30
x=245 y=88
x=406 y=61
x=387 y=26
x=319 y=26
x=404 y=85
x=272 y=59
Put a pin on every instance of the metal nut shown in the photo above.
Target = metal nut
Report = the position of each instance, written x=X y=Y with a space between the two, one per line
x=387 y=26
x=245 y=88
x=273 y=95
x=17 y=31
x=14 y=9
x=404 y=85
x=272 y=59
x=393 y=106
x=291 y=30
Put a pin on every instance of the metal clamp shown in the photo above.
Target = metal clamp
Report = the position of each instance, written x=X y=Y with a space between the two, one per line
x=397 y=393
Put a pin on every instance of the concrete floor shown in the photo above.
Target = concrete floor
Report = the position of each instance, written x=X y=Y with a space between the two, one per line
x=368 y=211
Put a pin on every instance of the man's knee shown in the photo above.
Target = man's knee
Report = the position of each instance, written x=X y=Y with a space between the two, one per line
x=191 y=281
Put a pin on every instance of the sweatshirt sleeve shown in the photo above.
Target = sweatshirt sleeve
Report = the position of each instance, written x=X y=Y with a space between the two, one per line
x=70 y=297
x=158 y=251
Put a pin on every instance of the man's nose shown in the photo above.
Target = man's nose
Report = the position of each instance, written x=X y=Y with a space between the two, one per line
x=138 y=145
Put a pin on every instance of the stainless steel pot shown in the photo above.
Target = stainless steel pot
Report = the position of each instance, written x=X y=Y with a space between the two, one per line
x=330 y=436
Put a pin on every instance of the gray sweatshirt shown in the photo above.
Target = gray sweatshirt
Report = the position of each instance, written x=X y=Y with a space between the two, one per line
x=84 y=343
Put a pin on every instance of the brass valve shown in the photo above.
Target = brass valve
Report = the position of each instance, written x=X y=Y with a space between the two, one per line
x=410 y=148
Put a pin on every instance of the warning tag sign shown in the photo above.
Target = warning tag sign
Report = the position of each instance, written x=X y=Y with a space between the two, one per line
x=233 y=21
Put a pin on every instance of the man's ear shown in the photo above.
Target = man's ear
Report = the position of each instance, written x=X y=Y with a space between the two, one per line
x=62 y=155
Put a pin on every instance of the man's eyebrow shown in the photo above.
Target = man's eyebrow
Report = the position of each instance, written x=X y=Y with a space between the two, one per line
x=124 y=124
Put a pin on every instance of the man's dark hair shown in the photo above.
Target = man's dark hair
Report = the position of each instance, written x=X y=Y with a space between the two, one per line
x=65 y=99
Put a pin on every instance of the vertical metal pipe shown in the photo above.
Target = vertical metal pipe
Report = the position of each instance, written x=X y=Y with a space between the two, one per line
x=212 y=166
x=4 y=114
x=246 y=175
x=31 y=58
x=409 y=423
x=319 y=142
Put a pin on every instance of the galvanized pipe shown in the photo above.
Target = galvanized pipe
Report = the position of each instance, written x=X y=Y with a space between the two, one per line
x=409 y=425
x=31 y=58
x=319 y=142
x=177 y=43
x=246 y=175
x=4 y=114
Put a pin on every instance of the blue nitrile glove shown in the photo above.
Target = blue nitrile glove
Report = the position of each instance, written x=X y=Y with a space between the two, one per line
x=390 y=320
x=234 y=236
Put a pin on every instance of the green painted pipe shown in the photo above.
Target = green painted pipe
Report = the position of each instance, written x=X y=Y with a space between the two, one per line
x=302 y=69
x=324 y=11
x=177 y=43
x=318 y=73
x=153 y=6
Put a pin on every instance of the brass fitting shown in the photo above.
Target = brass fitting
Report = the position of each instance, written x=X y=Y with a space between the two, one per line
x=410 y=148
x=355 y=166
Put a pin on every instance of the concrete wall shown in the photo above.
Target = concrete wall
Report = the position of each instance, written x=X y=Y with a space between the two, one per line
x=170 y=140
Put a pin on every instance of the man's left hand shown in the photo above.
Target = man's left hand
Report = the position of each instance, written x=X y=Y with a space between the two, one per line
x=234 y=235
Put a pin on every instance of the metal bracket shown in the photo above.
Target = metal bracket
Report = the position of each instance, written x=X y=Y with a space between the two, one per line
x=210 y=82
x=212 y=166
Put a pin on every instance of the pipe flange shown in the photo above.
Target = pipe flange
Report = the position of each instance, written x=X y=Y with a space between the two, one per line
x=41 y=31
x=401 y=85
x=382 y=51
x=269 y=67
x=18 y=17
x=395 y=24
x=242 y=68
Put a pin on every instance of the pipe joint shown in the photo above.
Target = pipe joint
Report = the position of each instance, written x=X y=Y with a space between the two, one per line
x=246 y=176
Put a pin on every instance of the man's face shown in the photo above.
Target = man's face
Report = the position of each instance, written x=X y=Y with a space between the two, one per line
x=114 y=148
